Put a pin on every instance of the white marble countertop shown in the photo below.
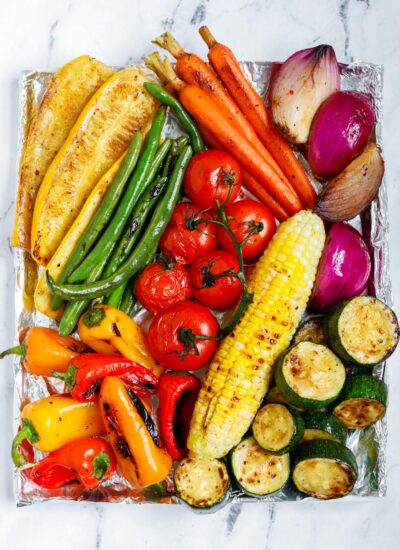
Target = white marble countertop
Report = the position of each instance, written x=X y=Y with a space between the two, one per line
x=46 y=34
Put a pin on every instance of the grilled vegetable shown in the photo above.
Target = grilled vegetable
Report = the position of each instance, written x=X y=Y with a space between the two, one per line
x=106 y=126
x=257 y=472
x=252 y=106
x=362 y=401
x=363 y=331
x=59 y=263
x=324 y=425
x=349 y=193
x=67 y=93
x=202 y=483
x=277 y=429
x=239 y=375
x=309 y=375
x=133 y=435
x=54 y=421
x=43 y=350
x=311 y=330
x=324 y=469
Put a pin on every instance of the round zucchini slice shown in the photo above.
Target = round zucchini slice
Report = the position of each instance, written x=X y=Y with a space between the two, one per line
x=362 y=401
x=311 y=330
x=202 y=483
x=324 y=425
x=257 y=472
x=277 y=429
x=363 y=331
x=310 y=376
x=324 y=469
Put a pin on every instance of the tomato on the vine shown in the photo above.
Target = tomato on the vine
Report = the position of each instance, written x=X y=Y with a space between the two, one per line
x=186 y=236
x=250 y=220
x=209 y=177
x=162 y=284
x=212 y=281
x=184 y=336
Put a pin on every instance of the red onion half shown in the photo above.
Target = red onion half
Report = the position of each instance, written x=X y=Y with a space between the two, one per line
x=339 y=132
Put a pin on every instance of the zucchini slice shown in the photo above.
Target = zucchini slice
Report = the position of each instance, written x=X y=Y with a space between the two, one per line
x=277 y=429
x=324 y=425
x=309 y=375
x=363 y=331
x=362 y=401
x=202 y=483
x=311 y=330
x=324 y=469
x=257 y=472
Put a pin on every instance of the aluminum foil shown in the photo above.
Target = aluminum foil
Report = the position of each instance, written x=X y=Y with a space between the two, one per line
x=368 y=445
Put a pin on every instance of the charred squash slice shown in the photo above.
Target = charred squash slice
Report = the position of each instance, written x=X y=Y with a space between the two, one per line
x=101 y=134
x=67 y=94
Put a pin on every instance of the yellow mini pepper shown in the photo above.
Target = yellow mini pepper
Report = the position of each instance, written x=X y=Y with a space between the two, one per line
x=53 y=421
x=108 y=330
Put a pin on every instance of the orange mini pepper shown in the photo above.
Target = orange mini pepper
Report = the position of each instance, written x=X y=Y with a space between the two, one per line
x=133 y=435
x=108 y=330
x=43 y=350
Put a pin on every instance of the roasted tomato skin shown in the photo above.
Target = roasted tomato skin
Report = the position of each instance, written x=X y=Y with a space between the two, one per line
x=210 y=175
x=177 y=326
x=244 y=216
x=161 y=285
x=184 y=238
x=212 y=285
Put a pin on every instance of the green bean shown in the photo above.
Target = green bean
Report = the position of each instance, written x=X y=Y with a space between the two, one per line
x=182 y=115
x=128 y=299
x=103 y=214
x=135 y=187
x=145 y=249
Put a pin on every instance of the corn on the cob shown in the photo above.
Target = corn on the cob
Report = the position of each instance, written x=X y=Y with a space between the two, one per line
x=240 y=373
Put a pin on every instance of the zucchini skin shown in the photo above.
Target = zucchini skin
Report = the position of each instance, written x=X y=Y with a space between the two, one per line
x=292 y=398
x=328 y=423
x=331 y=326
x=314 y=336
x=325 y=449
x=298 y=423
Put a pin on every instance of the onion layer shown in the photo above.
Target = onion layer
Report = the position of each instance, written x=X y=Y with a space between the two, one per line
x=301 y=84
x=339 y=132
x=349 y=193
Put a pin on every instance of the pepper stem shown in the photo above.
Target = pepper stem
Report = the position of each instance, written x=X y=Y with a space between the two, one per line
x=16 y=350
x=69 y=377
x=27 y=432
x=93 y=317
x=101 y=464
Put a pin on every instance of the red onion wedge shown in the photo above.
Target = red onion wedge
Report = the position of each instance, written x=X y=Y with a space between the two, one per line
x=299 y=87
x=339 y=132
x=349 y=193
x=343 y=270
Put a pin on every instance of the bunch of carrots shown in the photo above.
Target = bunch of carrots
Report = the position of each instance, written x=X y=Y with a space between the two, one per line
x=232 y=116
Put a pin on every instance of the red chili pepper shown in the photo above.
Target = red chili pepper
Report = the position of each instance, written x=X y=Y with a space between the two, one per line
x=87 y=461
x=177 y=396
x=86 y=372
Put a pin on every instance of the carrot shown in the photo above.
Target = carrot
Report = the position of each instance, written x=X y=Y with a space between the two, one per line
x=193 y=70
x=208 y=113
x=230 y=72
x=249 y=182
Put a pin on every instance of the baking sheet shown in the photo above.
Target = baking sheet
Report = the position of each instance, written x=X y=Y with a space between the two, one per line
x=369 y=445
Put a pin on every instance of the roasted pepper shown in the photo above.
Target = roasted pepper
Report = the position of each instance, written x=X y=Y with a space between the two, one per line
x=54 y=421
x=44 y=350
x=177 y=396
x=85 y=373
x=133 y=435
x=88 y=461
x=108 y=330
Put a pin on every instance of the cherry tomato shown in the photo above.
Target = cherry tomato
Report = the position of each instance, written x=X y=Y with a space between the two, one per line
x=211 y=283
x=209 y=176
x=185 y=239
x=161 y=285
x=247 y=217
x=172 y=336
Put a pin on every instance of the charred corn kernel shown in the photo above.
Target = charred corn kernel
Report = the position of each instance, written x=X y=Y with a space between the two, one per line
x=240 y=373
